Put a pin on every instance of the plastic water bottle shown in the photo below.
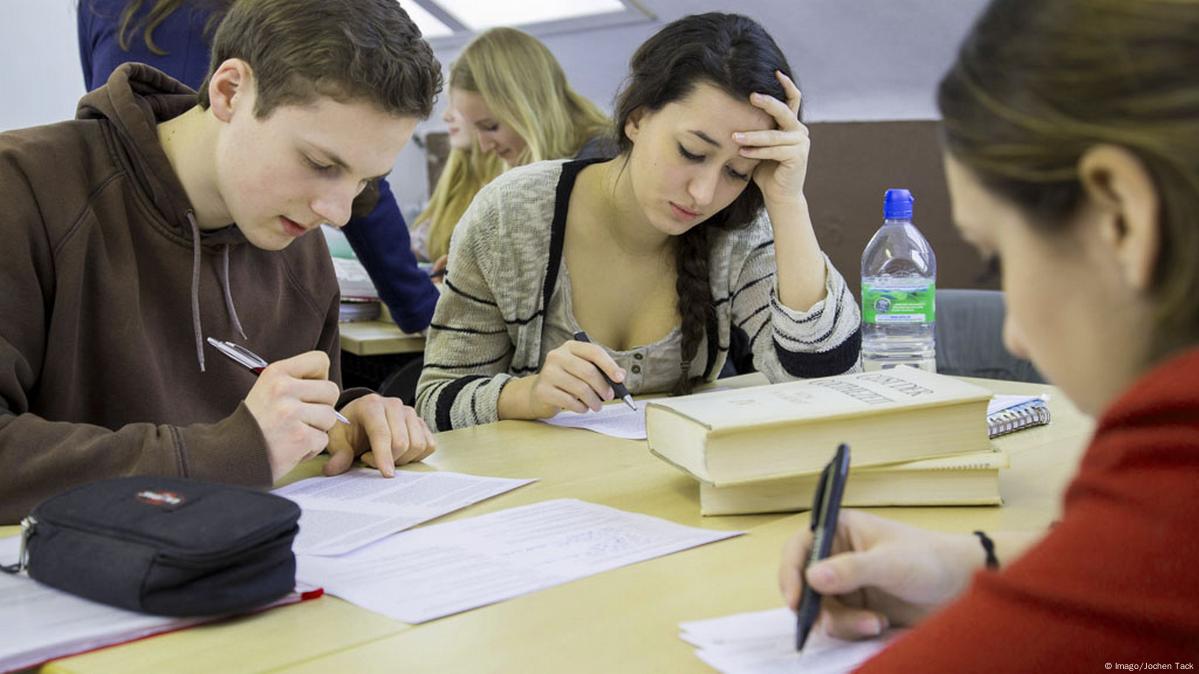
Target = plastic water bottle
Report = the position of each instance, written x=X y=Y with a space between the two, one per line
x=899 y=282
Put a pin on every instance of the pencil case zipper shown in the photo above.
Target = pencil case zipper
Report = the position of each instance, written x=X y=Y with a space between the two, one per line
x=164 y=551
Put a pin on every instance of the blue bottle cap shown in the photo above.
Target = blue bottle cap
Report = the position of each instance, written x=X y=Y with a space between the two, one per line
x=897 y=205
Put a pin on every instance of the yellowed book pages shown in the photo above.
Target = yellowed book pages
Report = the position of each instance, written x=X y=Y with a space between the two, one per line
x=780 y=430
x=967 y=479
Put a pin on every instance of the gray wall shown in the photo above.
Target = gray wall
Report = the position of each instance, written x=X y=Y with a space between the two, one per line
x=857 y=60
x=40 y=76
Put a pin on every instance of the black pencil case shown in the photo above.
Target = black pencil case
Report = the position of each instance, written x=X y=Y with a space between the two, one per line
x=168 y=546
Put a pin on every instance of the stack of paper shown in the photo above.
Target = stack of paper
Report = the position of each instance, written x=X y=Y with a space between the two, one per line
x=356 y=508
x=359 y=298
x=353 y=281
x=447 y=568
x=764 y=643
x=338 y=514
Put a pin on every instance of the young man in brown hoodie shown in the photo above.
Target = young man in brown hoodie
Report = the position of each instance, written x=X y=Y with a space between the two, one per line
x=158 y=218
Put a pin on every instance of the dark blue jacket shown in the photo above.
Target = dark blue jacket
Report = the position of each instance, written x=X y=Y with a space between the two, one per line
x=379 y=239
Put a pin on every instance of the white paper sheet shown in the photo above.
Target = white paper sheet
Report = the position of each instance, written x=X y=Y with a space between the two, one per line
x=354 y=509
x=763 y=642
x=447 y=568
x=1003 y=401
x=615 y=420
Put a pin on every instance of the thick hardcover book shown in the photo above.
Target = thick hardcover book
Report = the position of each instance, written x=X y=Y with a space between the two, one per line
x=967 y=479
x=789 y=429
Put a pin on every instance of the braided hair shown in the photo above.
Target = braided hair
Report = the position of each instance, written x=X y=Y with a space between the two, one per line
x=736 y=55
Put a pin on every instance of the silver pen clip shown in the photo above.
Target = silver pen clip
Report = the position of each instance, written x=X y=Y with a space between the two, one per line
x=27 y=526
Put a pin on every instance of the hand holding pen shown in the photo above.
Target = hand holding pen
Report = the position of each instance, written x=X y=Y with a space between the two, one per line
x=826 y=507
x=577 y=376
x=881 y=573
x=292 y=401
x=252 y=362
x=438 y=269
x=617 y=388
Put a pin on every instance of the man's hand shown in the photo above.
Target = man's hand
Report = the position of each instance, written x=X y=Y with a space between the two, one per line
x=384 y=431
x=292 y=401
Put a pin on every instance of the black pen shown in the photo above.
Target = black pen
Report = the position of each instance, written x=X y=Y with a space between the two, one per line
x=619 y=389
x=825 y=509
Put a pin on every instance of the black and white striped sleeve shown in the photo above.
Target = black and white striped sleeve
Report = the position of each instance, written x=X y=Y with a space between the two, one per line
x=468 y=348
x=788 y=344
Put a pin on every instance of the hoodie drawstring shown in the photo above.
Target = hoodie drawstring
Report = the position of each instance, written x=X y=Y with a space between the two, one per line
x=196 y=289
x=223 y=272
x=229 y=294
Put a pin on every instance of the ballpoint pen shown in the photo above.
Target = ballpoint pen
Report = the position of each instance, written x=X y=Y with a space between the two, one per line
x=251 y=361
x=825 y=509
x=619 y=389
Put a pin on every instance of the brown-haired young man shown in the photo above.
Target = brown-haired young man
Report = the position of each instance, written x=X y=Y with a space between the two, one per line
x=150 y=223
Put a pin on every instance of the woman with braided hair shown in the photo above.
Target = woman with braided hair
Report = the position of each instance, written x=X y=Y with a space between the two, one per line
x=697 y=228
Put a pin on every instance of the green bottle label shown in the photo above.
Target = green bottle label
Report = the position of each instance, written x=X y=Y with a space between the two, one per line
x=899 y=302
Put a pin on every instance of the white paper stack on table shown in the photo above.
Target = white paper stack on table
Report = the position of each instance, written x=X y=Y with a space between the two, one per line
x=359 y=298
x=348 y=511
x=447 y=568
x=763 y=642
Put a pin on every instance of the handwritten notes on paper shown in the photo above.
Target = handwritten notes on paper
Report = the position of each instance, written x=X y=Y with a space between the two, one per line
x=615 y=420
x=351 y=510
x=763 y=642
x=448 y=568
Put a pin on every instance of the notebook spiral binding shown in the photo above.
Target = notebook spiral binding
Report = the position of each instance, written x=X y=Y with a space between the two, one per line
x=1032 y=413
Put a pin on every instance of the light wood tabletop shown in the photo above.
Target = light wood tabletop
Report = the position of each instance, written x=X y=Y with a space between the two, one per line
x=378 y=338
x=625 y=620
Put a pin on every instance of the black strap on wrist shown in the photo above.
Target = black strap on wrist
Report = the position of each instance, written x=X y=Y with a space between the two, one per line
x=989 y=548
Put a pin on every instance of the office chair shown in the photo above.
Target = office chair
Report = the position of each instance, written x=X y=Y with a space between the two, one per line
x=970 y=337
x=401 y=383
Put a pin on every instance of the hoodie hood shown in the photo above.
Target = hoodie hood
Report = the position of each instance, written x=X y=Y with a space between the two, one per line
x=134 y=101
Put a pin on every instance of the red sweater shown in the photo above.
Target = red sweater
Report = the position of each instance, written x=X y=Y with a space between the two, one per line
x=1116 y=580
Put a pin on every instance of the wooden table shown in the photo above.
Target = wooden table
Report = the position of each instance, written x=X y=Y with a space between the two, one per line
x=625 y=620
x=378 y=338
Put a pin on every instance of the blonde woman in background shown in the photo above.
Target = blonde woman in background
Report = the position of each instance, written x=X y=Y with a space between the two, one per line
x=509 y=105
x=467 y=170
x=511 y=90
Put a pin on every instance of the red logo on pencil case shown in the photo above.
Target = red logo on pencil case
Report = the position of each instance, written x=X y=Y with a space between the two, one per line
x=159 y=498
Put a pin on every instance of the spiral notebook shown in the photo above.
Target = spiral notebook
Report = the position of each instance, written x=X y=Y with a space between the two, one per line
x=1010 y=413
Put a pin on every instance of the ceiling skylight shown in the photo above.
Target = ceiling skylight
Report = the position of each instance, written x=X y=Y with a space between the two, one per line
x=430 y=26
x=478 y=15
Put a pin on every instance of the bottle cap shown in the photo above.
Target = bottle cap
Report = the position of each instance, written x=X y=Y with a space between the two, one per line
x=897 y=205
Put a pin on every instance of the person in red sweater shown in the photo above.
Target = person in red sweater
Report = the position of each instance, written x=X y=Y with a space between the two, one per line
x=1072 y=155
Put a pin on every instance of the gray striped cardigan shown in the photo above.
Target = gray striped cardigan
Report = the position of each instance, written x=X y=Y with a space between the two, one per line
x=504 y=264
